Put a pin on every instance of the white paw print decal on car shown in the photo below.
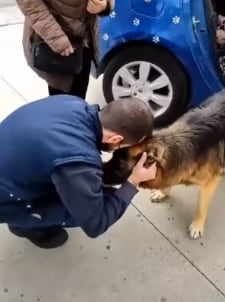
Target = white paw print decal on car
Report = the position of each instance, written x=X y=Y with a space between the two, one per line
x=105 y=37
x=176 y=20
x=156 y=39
x=136 y=22
x=113 y=14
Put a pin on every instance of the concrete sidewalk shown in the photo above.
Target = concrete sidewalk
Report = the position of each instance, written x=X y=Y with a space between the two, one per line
x=146 y=257
x=9 y=13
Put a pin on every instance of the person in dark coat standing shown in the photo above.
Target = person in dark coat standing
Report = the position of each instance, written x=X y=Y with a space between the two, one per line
x=51 y=168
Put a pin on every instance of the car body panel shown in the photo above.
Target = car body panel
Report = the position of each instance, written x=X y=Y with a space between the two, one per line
x=184 y=28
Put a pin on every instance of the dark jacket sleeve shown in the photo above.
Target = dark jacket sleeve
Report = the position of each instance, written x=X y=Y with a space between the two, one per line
x=93 y=207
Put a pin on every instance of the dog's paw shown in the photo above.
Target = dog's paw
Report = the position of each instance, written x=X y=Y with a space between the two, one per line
x=196 y=230
x=157 y=196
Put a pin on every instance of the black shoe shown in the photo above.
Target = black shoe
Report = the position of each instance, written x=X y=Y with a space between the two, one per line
x=46 y=238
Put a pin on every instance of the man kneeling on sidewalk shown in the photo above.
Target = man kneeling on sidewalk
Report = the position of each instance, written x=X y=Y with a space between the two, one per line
x=51 y=169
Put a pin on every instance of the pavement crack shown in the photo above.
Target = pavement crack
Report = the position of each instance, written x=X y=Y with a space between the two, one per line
x=14 y=89
x=10 y=24
x=179 y=251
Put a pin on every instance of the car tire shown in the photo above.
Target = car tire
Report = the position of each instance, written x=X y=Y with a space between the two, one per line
x=161 y=59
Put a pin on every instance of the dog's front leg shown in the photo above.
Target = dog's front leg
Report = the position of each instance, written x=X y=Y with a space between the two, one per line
x=207 y=190
x=159 y=195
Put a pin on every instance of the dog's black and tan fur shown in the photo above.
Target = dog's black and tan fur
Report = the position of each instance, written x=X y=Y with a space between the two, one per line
x=190 y=151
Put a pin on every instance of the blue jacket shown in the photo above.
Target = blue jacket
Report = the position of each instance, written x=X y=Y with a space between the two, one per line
x=50 y=168
x=40 y=136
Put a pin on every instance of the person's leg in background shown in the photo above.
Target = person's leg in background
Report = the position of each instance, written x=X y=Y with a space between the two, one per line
x=220 y=7
x=81 y=80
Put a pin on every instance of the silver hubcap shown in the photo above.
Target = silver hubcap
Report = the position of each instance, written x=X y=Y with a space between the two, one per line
x=145 y=81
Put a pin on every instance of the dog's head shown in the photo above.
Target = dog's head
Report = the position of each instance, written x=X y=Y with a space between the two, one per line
x=118 y=169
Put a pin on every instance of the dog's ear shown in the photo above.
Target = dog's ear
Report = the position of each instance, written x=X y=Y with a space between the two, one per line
x=156 y=152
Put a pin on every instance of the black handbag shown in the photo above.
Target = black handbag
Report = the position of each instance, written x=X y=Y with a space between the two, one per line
x=45 y=59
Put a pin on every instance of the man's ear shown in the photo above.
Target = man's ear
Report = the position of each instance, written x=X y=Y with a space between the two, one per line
x=115 y=139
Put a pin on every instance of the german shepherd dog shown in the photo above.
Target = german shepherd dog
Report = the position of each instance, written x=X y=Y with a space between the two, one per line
x=189 y=152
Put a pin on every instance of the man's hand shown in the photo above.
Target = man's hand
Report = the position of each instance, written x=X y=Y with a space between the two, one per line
x=96 y=6
x=140 y=173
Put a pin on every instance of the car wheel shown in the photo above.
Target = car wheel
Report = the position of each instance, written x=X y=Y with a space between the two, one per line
x=152 y=75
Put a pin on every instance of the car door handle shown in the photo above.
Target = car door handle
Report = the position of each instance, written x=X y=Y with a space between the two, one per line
x=195 y=21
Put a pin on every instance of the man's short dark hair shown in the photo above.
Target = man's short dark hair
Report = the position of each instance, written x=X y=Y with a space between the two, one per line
x=129 y=117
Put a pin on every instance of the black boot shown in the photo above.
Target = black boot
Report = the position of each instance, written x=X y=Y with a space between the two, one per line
x=46 y=238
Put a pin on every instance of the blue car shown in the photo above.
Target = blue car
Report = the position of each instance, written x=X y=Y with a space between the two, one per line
x=161 y=51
